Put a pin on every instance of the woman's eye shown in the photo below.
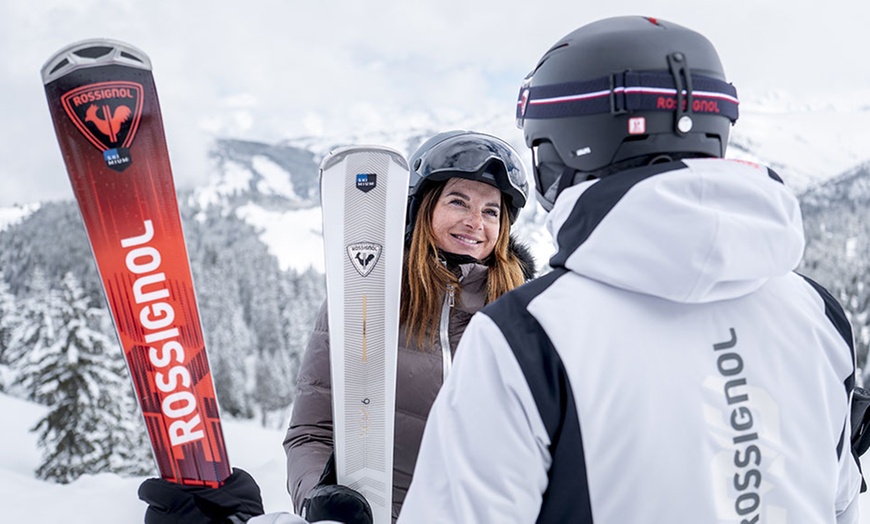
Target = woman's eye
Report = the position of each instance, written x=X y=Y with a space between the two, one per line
x=491 y=212
x=457 y=202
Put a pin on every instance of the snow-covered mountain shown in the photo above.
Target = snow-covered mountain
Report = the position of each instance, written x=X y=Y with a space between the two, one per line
x=808 y=141
x=274 y=186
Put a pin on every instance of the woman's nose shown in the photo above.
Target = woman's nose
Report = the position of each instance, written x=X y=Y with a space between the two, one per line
x=474 y=219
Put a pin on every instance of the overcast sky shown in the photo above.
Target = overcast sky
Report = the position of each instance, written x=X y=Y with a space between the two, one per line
x=270 y=69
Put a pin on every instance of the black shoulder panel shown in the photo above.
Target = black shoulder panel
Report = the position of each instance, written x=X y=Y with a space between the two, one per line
x=834 y=312
x=567 y=496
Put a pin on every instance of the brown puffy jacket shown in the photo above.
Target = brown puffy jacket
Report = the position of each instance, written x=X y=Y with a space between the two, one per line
x=419 y=376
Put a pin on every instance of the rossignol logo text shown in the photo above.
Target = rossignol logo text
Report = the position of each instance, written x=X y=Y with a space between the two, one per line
x=698 y=106
x=99 y=94
x=747 y=455
x=157 y=318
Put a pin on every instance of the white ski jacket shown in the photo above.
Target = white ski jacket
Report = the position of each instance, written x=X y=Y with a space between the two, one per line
x=671 y=368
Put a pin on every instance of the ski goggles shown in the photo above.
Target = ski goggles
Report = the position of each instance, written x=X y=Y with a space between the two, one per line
x=472 y=156
x=551 y=175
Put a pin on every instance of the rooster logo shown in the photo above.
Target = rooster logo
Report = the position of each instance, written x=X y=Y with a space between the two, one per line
x=364 y=256
x=364 y=261
x=107 y=121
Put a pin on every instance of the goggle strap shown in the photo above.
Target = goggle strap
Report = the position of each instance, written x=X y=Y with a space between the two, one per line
x=625 y=92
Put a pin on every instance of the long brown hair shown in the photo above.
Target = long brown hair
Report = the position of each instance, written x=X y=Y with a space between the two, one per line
x=426 y=279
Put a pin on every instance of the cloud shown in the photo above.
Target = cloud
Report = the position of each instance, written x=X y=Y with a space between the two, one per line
x=274 y=69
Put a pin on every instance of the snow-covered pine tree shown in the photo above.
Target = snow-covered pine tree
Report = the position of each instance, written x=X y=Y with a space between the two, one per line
x=275 y=369
x=9 y=319
x=228 y=339
x=32 y=334
x=8 y=312
x=263 y=282
x=836 y=218
x=273 y=387
x=78 y=372
x=131 y=448
x=229 y=370
x=307 y=290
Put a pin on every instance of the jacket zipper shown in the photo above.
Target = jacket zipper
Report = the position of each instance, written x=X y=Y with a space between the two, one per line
x=446 y=356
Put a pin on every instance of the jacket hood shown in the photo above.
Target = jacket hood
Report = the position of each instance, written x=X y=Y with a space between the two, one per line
x=692 y=231
x=524 y=254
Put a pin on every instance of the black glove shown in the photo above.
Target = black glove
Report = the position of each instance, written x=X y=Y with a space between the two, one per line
x=169 y=503
x=860 y=420
x=860 y=427
x=336 y=502
x=329 y=500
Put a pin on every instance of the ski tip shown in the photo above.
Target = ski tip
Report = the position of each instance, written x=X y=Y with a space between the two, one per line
x=338 y=154
x=91 y=53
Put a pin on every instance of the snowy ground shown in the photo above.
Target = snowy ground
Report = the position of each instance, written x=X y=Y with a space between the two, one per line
x=109 y=499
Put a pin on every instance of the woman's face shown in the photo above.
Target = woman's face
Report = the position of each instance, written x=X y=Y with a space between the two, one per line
x=466 y=218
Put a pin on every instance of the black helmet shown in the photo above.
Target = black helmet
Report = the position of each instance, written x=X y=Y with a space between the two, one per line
x=620 y=89
x=471 y=155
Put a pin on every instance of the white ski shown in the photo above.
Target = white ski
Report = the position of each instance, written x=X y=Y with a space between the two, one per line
x=364 y=193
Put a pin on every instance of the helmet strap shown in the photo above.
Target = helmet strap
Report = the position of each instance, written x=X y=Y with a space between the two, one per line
x=566 y=180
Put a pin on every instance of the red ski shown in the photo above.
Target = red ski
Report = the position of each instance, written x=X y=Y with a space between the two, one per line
x=107 y=119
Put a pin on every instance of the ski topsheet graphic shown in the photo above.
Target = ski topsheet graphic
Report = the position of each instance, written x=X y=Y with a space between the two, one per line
x=107 y=119
x=364 y=192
